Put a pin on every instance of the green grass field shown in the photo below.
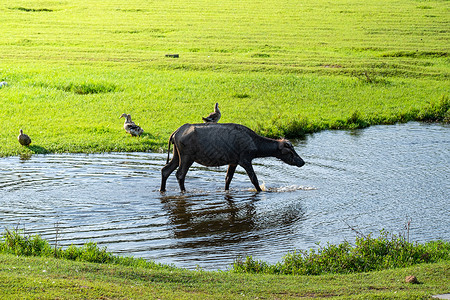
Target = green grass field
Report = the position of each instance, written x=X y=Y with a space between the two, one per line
x=283 y=68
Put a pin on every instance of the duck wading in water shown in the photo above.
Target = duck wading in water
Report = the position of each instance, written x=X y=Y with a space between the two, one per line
x=130 y=127
x=24 y=139
x=214 y=116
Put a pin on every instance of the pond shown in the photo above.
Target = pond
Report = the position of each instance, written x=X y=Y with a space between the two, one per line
x=361 y=180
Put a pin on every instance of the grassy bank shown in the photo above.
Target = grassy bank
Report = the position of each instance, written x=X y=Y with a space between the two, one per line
x=283 y=69
x=31 y=268
x=49 y=278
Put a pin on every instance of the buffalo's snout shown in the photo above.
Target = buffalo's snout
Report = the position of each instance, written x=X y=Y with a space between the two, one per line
x=298 y=161
x=293 y=159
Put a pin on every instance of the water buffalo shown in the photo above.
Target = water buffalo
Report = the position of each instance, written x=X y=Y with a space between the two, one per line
x=212 y=144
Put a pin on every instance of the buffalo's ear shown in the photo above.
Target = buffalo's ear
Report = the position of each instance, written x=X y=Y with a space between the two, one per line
x=284 y=143
x=285 y=146
x=285 y=151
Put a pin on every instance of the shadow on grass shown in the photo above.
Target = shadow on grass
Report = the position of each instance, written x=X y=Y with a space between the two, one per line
x=34 y=150
x=38 y=149
x=147 y=135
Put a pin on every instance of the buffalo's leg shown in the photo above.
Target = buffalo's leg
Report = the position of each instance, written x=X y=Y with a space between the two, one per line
x=229 y=177
x=167 y=170
x=185 y=164
x=251 y=174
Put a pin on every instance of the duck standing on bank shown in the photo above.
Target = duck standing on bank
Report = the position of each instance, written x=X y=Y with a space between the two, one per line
x=24 y=139
x=130 y=127
x=214 y=116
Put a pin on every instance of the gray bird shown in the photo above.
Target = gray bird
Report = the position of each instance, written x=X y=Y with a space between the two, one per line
x=214 y=116
x=130 y=127
x=24 y=139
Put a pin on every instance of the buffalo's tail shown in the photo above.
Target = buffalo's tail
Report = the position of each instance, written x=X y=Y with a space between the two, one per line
x=168 y=151
x=168 y=146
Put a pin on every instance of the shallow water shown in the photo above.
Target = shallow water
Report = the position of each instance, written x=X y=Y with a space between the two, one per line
x=369 y=179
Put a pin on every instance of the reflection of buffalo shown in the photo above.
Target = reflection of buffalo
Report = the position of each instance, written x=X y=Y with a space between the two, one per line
x=212 y=144
x=191 y=220
x=224 y=221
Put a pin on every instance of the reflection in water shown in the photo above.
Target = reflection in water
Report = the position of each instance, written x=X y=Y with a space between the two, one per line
x=193 y=219
x=25 y=156
x=224 y=222
x=370 y=179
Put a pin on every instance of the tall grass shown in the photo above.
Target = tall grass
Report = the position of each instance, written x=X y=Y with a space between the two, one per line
x=368 y=254
x=18 y=243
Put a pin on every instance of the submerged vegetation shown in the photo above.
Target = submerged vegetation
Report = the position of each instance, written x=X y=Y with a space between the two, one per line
x=282 y=69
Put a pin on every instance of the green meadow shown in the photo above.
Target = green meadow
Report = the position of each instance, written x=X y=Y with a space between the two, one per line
x=283 y=68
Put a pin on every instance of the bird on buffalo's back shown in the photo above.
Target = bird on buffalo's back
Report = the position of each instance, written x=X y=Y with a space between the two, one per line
x=24 y=139
x=214 y=116
x=130 y=127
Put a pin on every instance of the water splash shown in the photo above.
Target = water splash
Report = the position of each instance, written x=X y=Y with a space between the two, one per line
x=292 y=188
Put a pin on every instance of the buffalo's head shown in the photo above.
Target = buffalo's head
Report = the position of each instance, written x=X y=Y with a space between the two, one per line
x=288 y=155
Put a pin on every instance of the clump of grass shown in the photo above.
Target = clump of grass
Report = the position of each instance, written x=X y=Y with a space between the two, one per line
x=279 y=126
x=366 y=76
x=241 y=96
x=83 y=88
x=31 y=9
x=416 y=54
x=86 y=88
x=436 y=111
x=354 y=121
x=369 y=254
x=18 y=243
x=261 y=55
